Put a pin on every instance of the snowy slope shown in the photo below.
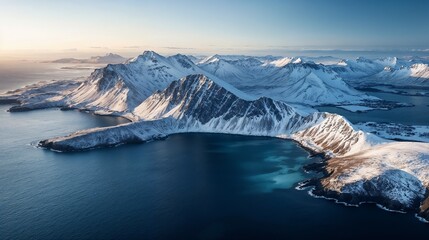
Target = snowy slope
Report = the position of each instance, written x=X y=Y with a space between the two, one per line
x=415 y=75
x=325 y=60
x=111 y=136
x=205 y=100
x=234 y=74
x=199 y=104
x=336 y=136
x=39 y=95
x=285 y=79
x=121 y=87
x=195 y=104
x=413 y=72
x=395 y=173
x=309 y=83
x=358 y=68
x=283 y=62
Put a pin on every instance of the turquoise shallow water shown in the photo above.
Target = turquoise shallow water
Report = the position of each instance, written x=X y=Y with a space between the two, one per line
x=191 y=186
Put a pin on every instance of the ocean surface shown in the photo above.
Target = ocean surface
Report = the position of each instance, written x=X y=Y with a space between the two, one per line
x=189 y=186
x=15 y=74
x=416 y=115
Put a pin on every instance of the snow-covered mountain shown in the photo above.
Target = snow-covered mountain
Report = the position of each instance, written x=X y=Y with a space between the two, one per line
x=358 y=68
x=393 y=174
x=415 y=75
x=108 y=58
x=283 y=62
x=308 y=83
x=232 y=71
x=200 y=98
x=325 y=60
x=267 y=58
x=119 y=88
x=285 y=79
x=44 y=94
x=196 y=103
x=413 y=72
x=122 y=87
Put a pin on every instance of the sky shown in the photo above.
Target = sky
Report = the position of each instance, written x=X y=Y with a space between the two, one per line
x=223 y=26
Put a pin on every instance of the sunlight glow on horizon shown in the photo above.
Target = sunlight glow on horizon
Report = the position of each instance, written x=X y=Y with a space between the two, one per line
x=129 y=27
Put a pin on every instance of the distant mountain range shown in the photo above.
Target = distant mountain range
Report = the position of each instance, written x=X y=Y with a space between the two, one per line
x=393 y=71
x=359 y=72
x=108 y=58
x=122 y=87
x=119 y=88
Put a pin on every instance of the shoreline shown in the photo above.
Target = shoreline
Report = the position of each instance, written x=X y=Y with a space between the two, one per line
x=318 y=191
x=16 y=108
x=395 y=90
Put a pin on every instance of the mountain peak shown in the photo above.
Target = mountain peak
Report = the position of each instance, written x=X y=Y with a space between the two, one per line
x=210 y=59
x=202 y=79
x=114 y=55
x=147 y=55
x=183 y=60
x=296 y=61
x=198 y=80
x=179 y=56
x=282 y=62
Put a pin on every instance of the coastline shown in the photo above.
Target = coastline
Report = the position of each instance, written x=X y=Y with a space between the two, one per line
x=317 y=190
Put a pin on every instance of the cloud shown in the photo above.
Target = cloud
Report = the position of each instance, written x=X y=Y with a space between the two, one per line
x=70 y=50
x=133 y=47
x=98 y=47
x=420 y=50
x=179 y=48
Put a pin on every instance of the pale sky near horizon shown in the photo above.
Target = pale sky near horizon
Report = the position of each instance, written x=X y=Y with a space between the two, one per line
x=77 y=26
